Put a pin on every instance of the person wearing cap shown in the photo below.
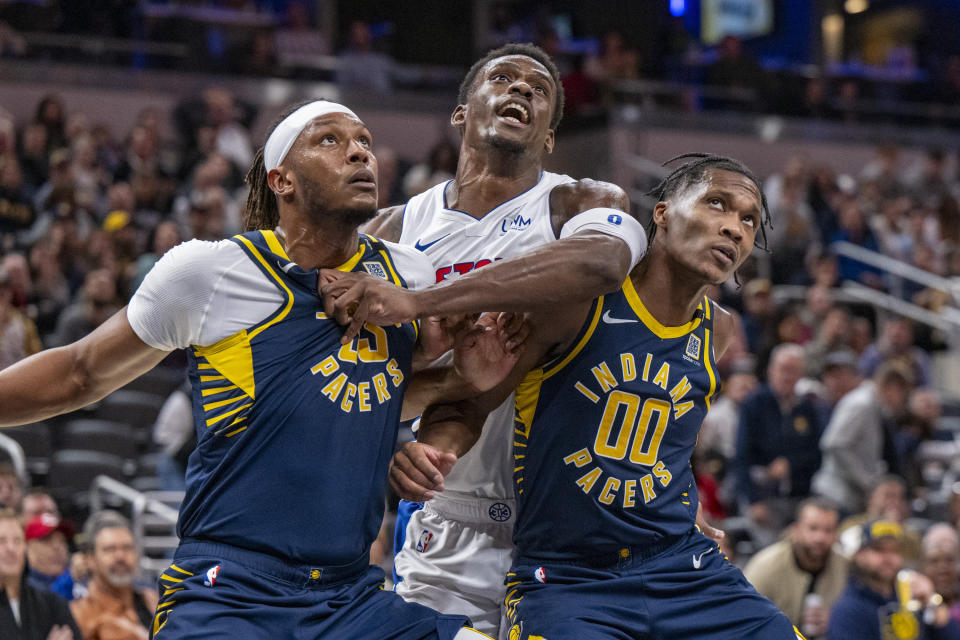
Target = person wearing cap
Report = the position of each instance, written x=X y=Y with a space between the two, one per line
x=881 y=601
x=18 y=333
x=295 y=424
x=27 y=612
x=48 y=551
x=115 y=608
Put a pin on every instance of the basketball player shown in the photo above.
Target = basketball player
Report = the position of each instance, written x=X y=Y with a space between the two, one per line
x=286 y=486
x=453 y=553
x=611 y=397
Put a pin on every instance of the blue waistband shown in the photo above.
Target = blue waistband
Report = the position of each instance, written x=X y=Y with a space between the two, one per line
x=613 y=558
x=295 y=573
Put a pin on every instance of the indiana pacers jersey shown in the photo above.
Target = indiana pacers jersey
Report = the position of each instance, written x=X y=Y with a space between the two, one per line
x=458 y=243
x=295 y=430
x=604 y=433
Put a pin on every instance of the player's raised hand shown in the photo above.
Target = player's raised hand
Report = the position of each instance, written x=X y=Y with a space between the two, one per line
x=353 y=299
x=417 y=471
x=485 y=353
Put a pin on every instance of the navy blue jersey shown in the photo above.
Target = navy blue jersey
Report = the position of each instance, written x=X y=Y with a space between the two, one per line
x=295 y=430
x=604 y=432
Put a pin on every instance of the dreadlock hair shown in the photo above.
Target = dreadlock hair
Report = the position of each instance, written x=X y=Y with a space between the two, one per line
x=693 y=171
x=517 y=49
x=261 y=212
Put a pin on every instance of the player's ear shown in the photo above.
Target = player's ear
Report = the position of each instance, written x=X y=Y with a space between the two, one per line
x=548 y=142
x=280 y=181
x=459 y=115
x=660 y=214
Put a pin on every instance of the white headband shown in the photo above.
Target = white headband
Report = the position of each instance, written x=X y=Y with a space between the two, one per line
x=282 y=138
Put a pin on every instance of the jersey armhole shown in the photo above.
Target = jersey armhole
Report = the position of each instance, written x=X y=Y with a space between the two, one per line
x=558 y=362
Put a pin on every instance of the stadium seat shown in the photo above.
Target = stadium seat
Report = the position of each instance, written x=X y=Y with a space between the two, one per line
x=72 y=471
x=37 y=444
x=104 y=436
x=138 y=409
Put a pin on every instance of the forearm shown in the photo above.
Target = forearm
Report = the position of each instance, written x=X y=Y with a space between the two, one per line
x=575 y=269
x=434 y=386
x=452 y=428
x=44 y=385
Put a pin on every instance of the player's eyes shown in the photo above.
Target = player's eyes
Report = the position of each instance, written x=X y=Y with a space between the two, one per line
x=328 y=139
x=715 y=202
x=501 y=76
x=540 y=90
x=365 y=141
x=750 y=220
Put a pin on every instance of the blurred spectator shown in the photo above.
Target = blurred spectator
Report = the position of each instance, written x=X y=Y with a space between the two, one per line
x=18 y=334
x=113 y=607
x=929 y=182
x=803 y=563
x=12 y=44
x=361 y=67
x=99 y=303
x=734 y=69
x=38 y=502
x=174 y=432
x=857 y=444
x=617 y=61
x=389 y=185
x=918 y=426
x=33 y=157
x=165 y=236
x=870 y=609
x=777 y=443
x=941 y=563
x=888 y=501
x=861 y=336
x=27 y=612
x=47 y=549
x=718 y=434
x=297 y=41
x=839 y=376
x=831 y=335
x=11 y=488
x=853 y=228
x=581 y=92
x=440 y=166
x=231 y=137
x=758 y=316
x=896 y=344
x=52 y=115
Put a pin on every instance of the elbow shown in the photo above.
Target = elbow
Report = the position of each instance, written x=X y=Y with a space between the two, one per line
x=612 y=265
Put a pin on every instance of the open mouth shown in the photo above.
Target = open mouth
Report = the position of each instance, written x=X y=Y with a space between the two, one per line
x=363 y=178
x=725 y=253
x=514 y=112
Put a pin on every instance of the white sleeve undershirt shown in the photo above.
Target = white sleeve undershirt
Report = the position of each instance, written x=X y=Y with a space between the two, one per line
x=201 y=292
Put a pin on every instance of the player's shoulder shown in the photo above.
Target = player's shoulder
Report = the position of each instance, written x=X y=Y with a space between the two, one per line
x=194 y=253
x=570 y=198
x=412 y=265
x=387 y=225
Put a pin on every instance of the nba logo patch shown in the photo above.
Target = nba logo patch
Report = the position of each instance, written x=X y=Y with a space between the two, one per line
x=424 y=540
x=376 y=269
x=212 y=574
x=693 y=347
x=541 y=575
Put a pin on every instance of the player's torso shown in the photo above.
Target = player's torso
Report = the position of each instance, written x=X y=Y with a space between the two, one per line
x=604 y=433
x=456 y=244
x=292 y=426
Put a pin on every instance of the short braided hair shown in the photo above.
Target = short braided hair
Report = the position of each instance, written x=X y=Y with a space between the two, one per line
x=261 y=212
x=693 y=171
x=517 y=49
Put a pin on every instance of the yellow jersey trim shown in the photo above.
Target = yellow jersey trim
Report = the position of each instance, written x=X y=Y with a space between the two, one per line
x=273 y=242
x=286 y=308
x=580 y=345
x=659 y=330
x=708 y=364
x=354 y=259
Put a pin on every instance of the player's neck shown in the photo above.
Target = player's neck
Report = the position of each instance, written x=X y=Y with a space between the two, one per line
x=669 y=293
x=487 y=180
x=313 y=245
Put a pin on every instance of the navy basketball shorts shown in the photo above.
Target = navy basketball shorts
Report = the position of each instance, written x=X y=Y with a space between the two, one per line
x=219 y=592
x=685 y=591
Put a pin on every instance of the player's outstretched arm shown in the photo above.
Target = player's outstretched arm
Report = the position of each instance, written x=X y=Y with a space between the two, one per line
x=599 y=244
x=59 y=380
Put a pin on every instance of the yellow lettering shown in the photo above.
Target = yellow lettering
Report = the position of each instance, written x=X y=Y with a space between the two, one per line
x=629 y=493
x=662 y=473
x=578 y=458
x=646 y=482
x=587 y=480
x=682 y=408
x=363 y=396
x=380 y=385
x=609 y=489
x=347 y=403
x=680 y=390
x=334 y=387
x=662 y=376
x=628 y=366
x=396 y=376
x=377 y=353
x=602 y=443
x=591 y=396
x=646 y=367
x=347 y=353
x=328 y=366
x=604 y=377
x=637 y=453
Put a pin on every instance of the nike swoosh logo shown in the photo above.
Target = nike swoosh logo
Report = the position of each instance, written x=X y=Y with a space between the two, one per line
x=611 y=320
x=423 y=247
x=697 y=559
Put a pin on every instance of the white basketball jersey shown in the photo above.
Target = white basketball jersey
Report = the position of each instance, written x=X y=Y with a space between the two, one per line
x=458 y=243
